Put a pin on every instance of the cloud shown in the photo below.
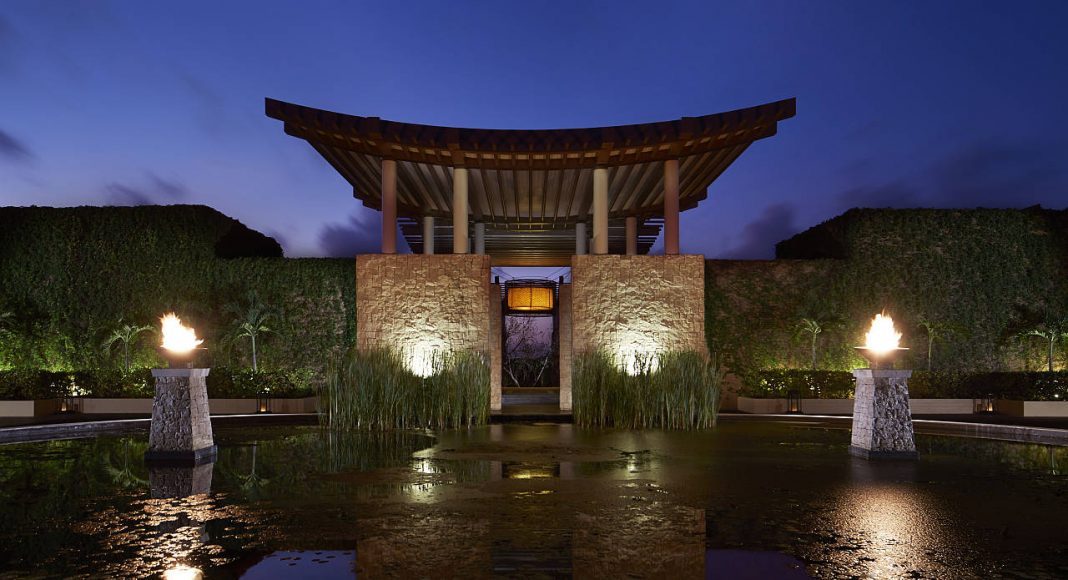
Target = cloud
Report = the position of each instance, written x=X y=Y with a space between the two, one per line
x=347 y=240
x=758 y=237
x=158 y=190
x=982 y=174
x=13 y=149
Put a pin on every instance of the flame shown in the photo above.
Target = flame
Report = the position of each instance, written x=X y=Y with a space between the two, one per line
x=882 y=337
x=176 y=336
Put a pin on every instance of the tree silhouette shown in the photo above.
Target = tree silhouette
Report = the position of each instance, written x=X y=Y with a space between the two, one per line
x=125 y=334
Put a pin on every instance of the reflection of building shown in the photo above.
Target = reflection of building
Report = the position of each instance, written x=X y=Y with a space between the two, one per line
x=594 y=200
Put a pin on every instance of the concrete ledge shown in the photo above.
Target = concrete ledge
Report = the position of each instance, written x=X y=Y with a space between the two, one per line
x=100 y=426
x=845 y=406
x=1033 y=408
x=102 y=406
x=29 y=408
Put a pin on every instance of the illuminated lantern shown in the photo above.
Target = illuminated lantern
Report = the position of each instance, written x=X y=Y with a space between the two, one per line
x=531 y=296
x=793 y=402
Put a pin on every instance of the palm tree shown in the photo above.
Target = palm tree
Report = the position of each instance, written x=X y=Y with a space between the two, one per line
x=815 y=326
x=1052 y=330
x=250 y=321
x=125 y=334
x=935 y=331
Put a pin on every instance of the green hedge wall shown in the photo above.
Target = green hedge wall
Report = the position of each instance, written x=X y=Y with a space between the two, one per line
x=69 y=274
x=985 y=273
x=1027 y=386
x=222 y=382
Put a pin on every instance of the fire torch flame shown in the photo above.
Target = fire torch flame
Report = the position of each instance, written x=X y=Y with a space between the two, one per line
x=882 y=338
x=176 y=336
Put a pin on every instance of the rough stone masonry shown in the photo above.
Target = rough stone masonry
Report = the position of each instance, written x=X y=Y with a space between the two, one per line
x=882 y=417
x=181 y=420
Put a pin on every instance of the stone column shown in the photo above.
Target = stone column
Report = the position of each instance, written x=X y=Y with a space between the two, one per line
x=428 y=235
x=495 y=348
x=181 y=421
x=459 y=211
x=580 y=239
x=671 y=207
x=169 y=481
x=632 y=235
x=480 y=238
x=882 y=418
x=565 y=345
x=389 y=206
x=600 y=210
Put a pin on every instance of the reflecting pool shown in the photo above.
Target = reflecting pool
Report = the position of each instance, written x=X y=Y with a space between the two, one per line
x=746 y=500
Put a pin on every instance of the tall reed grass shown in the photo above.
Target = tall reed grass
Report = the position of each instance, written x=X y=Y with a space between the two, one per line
x=677 y=390
x=374 y=390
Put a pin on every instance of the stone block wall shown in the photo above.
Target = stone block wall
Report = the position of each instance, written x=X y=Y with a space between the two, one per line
x=564 y=331
x=882 y=417
x=421 y=304
x=636 y=306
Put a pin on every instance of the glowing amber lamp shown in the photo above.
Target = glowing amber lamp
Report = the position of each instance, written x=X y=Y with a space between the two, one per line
x=530 y=299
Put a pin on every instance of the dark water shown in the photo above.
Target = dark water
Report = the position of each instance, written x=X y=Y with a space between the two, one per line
x=747 y=500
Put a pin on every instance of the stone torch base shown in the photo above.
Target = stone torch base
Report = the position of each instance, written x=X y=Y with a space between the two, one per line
x=181 y=422
x=882 y=418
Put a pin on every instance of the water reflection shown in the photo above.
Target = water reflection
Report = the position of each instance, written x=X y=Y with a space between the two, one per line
x=539 y=500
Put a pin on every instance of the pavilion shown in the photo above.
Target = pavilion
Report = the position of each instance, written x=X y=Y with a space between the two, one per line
x=595 y=199
x=532 y=196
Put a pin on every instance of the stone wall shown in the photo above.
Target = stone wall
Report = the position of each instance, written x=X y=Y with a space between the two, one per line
x=636 y=306
x=564 y=332
x=421 y=305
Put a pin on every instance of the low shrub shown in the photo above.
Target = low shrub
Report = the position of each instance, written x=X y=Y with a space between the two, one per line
x=681 y=391
x=223 y=383
x=374 y=390
x=809 y=384
x=1028 y=386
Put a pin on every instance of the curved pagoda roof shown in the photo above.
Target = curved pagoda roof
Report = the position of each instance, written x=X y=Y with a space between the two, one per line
x=531 y=181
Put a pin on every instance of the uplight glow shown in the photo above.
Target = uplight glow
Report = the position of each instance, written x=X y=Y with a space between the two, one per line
x=176 y=336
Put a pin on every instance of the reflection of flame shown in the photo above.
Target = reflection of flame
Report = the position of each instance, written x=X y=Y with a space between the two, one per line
x=183 y=572
x=882 y=337
x=178 y=337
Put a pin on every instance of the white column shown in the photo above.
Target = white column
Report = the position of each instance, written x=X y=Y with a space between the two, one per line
x=480 y=238
x=600 y=210
x=580 y=239
x=428 y=235
x=671 y=207
x=459 y=211
x=389 y=206
x=632 y=235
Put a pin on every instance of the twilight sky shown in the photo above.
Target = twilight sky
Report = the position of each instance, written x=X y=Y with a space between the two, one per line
x=899 y=104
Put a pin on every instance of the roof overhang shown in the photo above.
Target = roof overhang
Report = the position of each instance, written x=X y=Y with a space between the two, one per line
x=531 y=182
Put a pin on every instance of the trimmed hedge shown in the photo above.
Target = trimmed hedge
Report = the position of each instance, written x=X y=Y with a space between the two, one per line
x=69 y=274
x=223 y=383
x=986 y=273
x=776 y=384
x=1026 y=386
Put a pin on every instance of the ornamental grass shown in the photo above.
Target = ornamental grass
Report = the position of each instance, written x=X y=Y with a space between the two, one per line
x=375 y=390
x=680 y=391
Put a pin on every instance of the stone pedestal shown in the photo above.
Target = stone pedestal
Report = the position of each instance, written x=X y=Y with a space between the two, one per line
x=168 y=482
x=882 y=418
x=181 y=421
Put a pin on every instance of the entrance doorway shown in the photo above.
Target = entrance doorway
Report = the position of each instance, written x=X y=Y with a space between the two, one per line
x=530 y=345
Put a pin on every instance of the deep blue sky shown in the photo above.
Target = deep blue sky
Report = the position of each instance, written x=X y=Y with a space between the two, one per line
x=945 y=104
